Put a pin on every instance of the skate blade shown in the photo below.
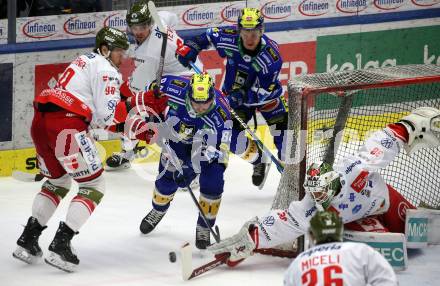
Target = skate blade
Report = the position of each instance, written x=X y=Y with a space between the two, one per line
x=22 y=254
x=122 y=167
x=266 y=173
x=56 y=261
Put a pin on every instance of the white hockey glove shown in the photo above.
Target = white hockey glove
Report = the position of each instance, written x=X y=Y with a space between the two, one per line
x=240 y=246
x=423 y=126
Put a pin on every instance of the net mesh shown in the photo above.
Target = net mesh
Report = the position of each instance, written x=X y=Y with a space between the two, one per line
x=337 y=112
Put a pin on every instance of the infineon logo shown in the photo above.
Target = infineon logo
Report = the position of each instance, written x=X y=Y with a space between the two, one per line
x=314 y=7
x=231 y=12
x=77 y=26
x=195 y=17
x=351 y=6
x=274 y=10
x=425 y=3
x=115 y=20
x=38 y=30
x=388 y=4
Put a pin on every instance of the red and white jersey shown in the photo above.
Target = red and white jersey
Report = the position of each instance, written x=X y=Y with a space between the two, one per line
x=89 y=87
x=363 y=193
x=340 y=263
x=147 y=55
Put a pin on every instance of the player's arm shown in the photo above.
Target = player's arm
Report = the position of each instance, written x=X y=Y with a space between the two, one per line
x=191 y=47
x=267 y=86
x=106 y=97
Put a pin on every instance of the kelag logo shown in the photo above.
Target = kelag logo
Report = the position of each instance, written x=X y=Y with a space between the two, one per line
x=78 y=27
x=231 y=12
x=194 y=17
x=351 y=6
x=388 y=4
x=274 y=10
x=115 y=20
x=38 y=30
x=425 y=3
x=314 y=7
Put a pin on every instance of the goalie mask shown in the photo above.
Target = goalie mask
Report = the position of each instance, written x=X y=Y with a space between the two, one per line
x=326 y=227
x=322 y=183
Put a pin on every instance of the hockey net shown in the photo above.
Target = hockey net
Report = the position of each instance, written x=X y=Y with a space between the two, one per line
x=331 y=114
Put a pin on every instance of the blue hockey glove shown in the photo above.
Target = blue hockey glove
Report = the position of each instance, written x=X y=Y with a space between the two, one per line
x=236 y=98
x=186 y=54
x=185 y=178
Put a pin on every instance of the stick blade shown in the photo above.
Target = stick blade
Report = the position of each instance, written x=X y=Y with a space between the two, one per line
x=26 y=177
x=186 y=260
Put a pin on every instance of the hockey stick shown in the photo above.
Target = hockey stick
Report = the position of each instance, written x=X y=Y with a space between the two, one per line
x=245 y=126
x=189 y=273
x=215 y=234
x=26 y=177
x=163 y=32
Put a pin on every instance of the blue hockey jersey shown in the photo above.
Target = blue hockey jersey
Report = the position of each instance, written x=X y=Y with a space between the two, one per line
x=256 y=76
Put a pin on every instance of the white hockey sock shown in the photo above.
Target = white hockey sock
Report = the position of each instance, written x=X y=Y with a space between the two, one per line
x=48 y=199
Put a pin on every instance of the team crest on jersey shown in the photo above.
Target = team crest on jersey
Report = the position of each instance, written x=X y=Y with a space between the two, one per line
x=179 y=83
x=272 y=54
x=186 y=131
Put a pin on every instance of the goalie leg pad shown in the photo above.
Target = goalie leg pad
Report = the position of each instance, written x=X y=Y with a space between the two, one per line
x=423 y=125
x=391 y=245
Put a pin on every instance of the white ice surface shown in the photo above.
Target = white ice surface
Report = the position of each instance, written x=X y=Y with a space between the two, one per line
x=112 y=251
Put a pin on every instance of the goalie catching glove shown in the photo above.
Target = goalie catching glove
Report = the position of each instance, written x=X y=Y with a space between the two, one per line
x=423 y=126
x=240 y=246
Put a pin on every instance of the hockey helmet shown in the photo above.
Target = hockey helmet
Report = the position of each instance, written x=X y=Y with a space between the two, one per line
x=250 y=19
x=139 y=14
x=200 y=91
x=326 y=226
x=112 y=38
x=322 y=183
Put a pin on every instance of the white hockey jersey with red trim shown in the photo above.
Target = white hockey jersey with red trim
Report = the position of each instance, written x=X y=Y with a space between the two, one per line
x=147 y=55
x=95 y=82
x=340 y=263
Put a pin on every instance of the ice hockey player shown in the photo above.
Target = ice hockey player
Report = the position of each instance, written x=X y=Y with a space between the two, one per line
x=86 y=93
x=148 y=42
x=333 y=262
x=201 y=145
x=251 y=81
x=354 y=189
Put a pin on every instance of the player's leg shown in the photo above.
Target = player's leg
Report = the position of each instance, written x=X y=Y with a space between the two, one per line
x=77 y=153
x=163 y=194
x=211 y=189
x=47 y=200
x=394 y=218
x=259 y=166
x=276 y=116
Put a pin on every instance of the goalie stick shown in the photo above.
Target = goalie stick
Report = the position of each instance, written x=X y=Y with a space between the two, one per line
x=189 y=273
x=245 y=126
x=163 y=32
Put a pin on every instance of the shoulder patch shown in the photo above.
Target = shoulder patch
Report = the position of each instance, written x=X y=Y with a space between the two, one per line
x=273 y=54
x=179 y=83
x=90 y=55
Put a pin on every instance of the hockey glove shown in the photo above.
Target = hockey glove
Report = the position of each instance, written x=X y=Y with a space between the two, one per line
x=183 y=179
x=136 y=128
x=240 y=246
x=186 y=54
x=146 y=103
x=236 y=98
